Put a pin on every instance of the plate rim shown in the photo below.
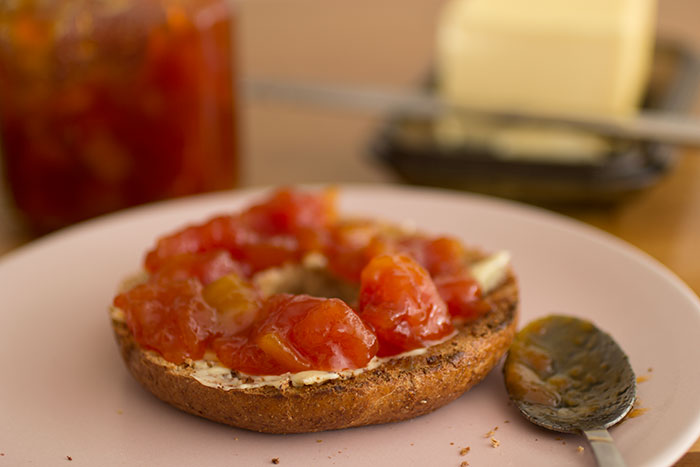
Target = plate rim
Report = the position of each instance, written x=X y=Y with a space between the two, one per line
x=671 y=453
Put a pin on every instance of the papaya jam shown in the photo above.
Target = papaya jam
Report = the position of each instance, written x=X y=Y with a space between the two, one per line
x=201 y=296
x=106 y=104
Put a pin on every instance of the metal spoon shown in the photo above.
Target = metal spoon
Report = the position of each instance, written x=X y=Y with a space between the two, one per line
x=566 y=375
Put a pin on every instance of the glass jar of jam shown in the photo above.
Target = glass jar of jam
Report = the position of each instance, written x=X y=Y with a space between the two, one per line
x=106 y=104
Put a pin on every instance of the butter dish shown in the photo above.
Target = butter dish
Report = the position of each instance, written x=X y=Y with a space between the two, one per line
x=407 y=144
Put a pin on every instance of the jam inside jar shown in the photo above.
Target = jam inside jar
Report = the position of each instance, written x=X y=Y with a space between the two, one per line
x=106 y=104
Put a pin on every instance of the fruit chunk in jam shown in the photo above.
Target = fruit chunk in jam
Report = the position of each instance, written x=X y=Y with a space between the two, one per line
x=170 y=317
x=278 y=230
x=354 y=244
x=207 y=266
x=438 y=255
x=236 y=301
x=462 y=294
x=239 y=353
x=303 y=216
x=218 y=233
x=401 y=303
x=301 y=332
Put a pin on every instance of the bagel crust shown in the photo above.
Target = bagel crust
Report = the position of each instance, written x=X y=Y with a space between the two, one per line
x=398 y=389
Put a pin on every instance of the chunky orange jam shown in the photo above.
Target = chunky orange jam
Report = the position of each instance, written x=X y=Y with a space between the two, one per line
x=401 y=303
x=106 y=104
x=201 y=294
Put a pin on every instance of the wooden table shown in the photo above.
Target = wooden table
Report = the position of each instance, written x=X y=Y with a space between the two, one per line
x=389 y=43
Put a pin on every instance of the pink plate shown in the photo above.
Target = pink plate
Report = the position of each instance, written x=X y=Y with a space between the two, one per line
x=64 y=390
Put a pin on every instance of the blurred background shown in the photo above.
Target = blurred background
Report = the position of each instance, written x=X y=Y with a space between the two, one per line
x=650 y=197
x=112 y=103
x=385 y=44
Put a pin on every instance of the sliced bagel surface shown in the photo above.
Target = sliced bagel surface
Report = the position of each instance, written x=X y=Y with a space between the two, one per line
x=398 y=389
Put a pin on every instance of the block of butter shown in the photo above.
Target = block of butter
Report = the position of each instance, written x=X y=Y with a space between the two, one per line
x=572 y=57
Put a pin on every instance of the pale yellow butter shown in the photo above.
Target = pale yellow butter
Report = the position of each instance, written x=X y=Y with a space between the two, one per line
x=589 y=57
x=581 y=56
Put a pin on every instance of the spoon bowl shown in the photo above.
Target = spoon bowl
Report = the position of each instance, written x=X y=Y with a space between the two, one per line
x=566 y=375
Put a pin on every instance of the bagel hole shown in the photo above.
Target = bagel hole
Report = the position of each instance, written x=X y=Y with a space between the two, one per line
x=300 y=279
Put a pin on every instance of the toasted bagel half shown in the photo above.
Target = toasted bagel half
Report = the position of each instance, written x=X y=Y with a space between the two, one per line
x=397 y=389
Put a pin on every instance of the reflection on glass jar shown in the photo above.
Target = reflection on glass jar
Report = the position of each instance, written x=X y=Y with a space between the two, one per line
x=106 y=104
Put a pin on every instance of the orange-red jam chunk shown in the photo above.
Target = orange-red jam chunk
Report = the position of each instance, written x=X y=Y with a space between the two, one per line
x=207 y=266
x=354 y=244
x=170 y=317
x=347 y=251
x=301 y=332
x=240 y=353
x=462 y=295
x=237 y=303
x=278 y=230
x=399 y=300
x=200 y=295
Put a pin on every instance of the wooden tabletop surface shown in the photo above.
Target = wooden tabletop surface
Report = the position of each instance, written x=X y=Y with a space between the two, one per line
x=389 y=43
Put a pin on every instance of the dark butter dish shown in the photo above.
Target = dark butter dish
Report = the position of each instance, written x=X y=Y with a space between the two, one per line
x=406 y=144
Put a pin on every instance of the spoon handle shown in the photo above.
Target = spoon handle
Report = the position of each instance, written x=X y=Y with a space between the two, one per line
x=604 y=448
